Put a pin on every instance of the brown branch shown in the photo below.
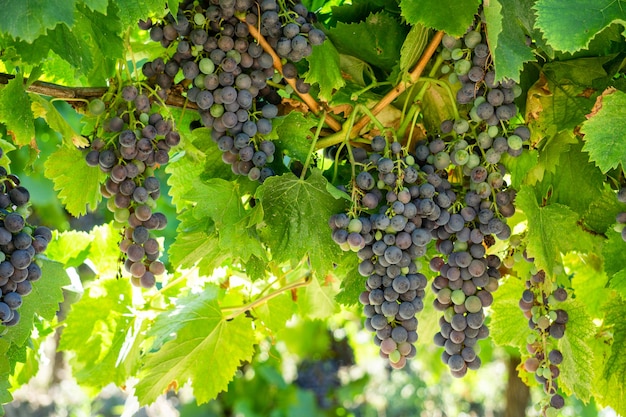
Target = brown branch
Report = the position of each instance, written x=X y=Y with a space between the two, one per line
x=400 y=88
x=306 y=97
x=70 y=93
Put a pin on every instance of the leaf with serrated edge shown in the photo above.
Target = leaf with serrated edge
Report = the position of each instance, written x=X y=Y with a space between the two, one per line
x=294 y=135
x=28 y=20
x=43 y=108
x=15 y=112
x=577 y=373
x=203 y=340
x=614 y=372
x=324 y=69
x=42 y=301
x=69 y=172
x=294 y=209
x=508 y=325
x=316 y=300
x=570 y=26
x=275 y=313
x=605 y=131
x=438 y=14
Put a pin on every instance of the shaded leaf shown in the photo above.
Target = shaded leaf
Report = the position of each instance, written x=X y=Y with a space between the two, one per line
x=452 y=16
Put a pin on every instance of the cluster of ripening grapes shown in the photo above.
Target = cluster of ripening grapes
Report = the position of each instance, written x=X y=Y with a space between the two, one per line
x=133 y=142
x=19 y=244
x=539 y=302
x=225 y=70
x=450 y=189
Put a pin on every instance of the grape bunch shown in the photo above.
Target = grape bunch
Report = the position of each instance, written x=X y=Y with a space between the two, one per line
x=133 y=141
x=225 y=71
x=538 y=303
x=19 y=245
x=392 y=232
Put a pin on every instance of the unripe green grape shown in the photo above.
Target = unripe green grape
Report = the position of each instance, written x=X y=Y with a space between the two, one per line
x=199 y=81
x=515 y=142
x=121 y=215
x=448 y=313
x=473 y=114
x=410 y=160
x=442 y=160
x=446 y=54
x=206 y=66
x=96 y=107
x=453 y=78
x=355 y=226
x=458 y=297
x=462 y=67
x=445 y=69
x=395 y=356
x=216 y=110
x=457 y=54
x=473 y=161
x=144 y=118
x=472 y=39
x=199 y=19
x=461 y=156
x=460 y=246
x=493 y=131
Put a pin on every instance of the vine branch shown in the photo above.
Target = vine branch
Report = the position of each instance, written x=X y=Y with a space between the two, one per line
x=400 y=88
x=71 y=93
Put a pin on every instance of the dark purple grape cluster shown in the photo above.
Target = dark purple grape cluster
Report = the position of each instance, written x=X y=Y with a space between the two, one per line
x=19 y=244
x=132 y=143
x=538 y=302
x=225 y=70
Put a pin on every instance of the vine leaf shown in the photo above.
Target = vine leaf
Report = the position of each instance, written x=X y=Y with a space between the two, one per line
x=79 y=177
x=507 y=38
x=508 y=326
x=316 y=300
x=275 y=313
x=205 y=348
x=614 y=254
x=97 y=5
x=438 y=14
x=44 y=108
x=292 y=134
x=552 y=230
x=605 y=131
x=577 y=373
x=96 y=329
x=376 y=40
x=296 y=213
x=413 y=47
x=15 y=112
x=324 y=69
x=570 y=26
x=130 y=11
x=42 y=301
x=30 y=19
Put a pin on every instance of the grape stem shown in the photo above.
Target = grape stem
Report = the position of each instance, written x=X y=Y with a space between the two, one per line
x=313 y=144
x=400 y=88
x=237 y=310
x=306 y=97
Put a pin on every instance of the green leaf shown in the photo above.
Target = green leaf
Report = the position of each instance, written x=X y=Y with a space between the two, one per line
x=294 y=136
x=96 y=329
x=570 y=26
x=507 y=38
x=221 y=201
x=104 y=250
x=30 y=19
x=275 y=313
x=356 y=70
x=523 y=168
x=605 y=131
x=452 y=16
x=376 y=40
x=296 y=215
x=577 y=372
x=317 y=300
x=178 y=174
x=70 y=248
x=79 y=177
x=614 y=254
x=552 y=147
x=42 y=301
x=324 y=69
x=206 y=349
x=413 y=46
x=508 y=325
x=44 y=108
x=552 y=230
x=614 y=372
x=15 y=112
x=131 y=11
x=97 y=5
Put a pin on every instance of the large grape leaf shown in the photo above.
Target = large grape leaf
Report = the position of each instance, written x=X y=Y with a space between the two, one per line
x=131 y=11
x=97 y=5
x=275 y=313
x=324 y=69
x=69 y=172
x=296 y=215
x=15 y=112
x=179 y=172
x=507 y=38
x=96 y=330
x=29 y=19
x=553 y=230
x=42 y=301
x=452 y=16
x=44 y=108
x=317 y=300
x=570 y=26
x=577 y=372
x=376 y=40
x=605 y=131
x=195 y=342
x=508 y=325
x=614 y=254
